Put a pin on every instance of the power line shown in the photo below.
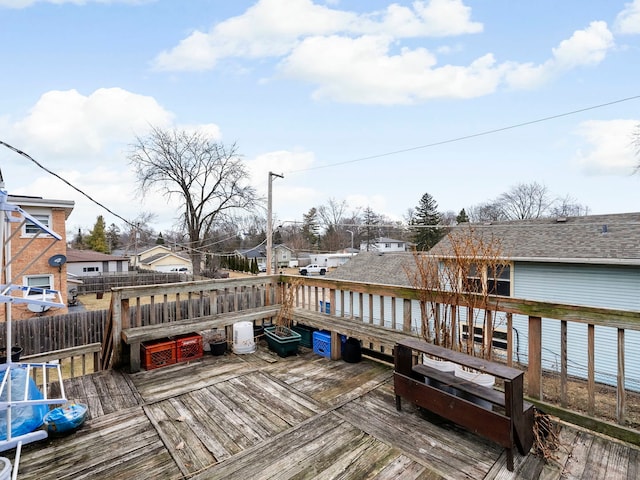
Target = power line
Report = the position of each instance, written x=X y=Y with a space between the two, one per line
x=29 y=157
x=467 y=137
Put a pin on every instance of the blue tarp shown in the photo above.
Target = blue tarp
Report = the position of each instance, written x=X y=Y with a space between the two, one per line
x=24 y=418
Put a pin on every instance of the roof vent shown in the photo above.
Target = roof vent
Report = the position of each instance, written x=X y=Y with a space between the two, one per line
x=561 y=219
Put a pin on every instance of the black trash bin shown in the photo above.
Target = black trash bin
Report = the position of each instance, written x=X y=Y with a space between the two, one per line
x=352 y=350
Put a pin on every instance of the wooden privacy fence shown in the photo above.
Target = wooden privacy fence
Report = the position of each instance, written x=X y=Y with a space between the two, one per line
x=38 y=335
x=105 y=282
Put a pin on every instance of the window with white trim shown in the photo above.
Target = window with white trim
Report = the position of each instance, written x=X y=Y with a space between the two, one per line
x=38 y=281
x=31 y=228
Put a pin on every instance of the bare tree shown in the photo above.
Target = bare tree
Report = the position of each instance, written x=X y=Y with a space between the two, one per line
x=568 y=206
x=208 y=179
x=525 y=200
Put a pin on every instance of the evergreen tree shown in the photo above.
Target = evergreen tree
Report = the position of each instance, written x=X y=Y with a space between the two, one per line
x=371 y=229
x=160 y=239
x=311 y=227
x=113 y=237
x=462 y=217
x=426 y=216
x=97 y=240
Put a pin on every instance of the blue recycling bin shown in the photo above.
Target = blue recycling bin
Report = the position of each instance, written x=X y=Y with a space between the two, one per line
x=325 y=307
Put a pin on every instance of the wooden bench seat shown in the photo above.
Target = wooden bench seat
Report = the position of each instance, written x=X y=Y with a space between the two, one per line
x=507 y=420
x=373 y=337
x=134 y=336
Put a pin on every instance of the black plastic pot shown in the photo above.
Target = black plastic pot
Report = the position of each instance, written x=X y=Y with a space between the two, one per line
x=218 y=348
x=15 y=354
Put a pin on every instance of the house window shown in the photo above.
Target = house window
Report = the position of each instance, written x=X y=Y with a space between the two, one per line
x=387 y=245
x=39 y=282
x=31 y=228
x=498 y=341
x=90 y=269
x=401 y=245
x=496 y=279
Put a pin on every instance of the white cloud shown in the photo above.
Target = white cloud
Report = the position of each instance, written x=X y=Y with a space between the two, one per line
x=272 y=28
x=363 y=70
x=84 y=139
x=277 y=162
x=611 y=151
x=584 y=48
x=67 y=123
x=628 y=20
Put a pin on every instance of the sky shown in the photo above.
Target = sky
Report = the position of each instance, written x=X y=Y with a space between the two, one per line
x=371 y=103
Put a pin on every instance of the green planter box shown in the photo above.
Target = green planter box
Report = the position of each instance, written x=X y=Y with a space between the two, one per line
x=306 y=334
x=283 y=346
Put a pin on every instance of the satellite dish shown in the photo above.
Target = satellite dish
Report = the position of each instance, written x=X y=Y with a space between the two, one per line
x=57 y=260
x=37 y=308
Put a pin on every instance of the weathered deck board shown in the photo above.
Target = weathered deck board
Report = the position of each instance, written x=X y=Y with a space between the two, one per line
x=112 y=446
x=324 y=447
x=302 y=417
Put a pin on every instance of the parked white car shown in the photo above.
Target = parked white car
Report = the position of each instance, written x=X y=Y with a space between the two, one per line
x=313 y=268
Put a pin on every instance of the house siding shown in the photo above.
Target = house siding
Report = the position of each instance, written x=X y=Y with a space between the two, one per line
x=607 y=286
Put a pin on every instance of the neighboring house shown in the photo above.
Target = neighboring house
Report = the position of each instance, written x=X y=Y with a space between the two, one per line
x=591 y=260
x=282 y=255
x=384 y=245
x=163 y=259
x=259 y=253
x=87 y=263
x=35 y=261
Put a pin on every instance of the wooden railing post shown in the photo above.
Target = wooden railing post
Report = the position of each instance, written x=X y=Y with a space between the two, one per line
x=534 y=371
x=621 y=405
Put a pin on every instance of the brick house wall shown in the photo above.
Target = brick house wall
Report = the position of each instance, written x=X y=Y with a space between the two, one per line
x=34 y=252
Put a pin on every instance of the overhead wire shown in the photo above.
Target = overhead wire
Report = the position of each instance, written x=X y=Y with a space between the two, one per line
x=467 y=137
x=355 y=160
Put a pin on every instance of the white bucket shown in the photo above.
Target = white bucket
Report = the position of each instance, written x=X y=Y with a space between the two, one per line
x=442 y=366
x=243 y=340
x=482 y=379
x=5 y=468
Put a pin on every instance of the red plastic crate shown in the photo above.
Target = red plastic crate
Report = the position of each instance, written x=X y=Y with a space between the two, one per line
x=158 y=353
x=188 y=346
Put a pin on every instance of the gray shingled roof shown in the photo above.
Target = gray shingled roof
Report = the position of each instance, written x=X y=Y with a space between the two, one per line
x=598 y=239
x=374 y=267
x=74 y=255
x=595 y=239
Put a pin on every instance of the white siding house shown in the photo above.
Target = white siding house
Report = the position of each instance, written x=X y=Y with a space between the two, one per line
x=87 y=263
x=384 y=245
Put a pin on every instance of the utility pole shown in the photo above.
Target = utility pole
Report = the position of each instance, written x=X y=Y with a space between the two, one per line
x=270 y=222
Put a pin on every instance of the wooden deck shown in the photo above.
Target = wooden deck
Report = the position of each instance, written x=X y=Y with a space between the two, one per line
x=259 y=416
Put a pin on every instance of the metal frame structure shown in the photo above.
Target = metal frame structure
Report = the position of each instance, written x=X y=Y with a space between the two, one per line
x=30 y=296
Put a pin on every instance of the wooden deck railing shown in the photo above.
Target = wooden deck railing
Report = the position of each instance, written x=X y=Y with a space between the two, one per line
x=171 y=302
x=398 y=308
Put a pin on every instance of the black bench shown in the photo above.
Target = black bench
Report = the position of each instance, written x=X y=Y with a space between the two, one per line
x=501 y=416
x=136 y=335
